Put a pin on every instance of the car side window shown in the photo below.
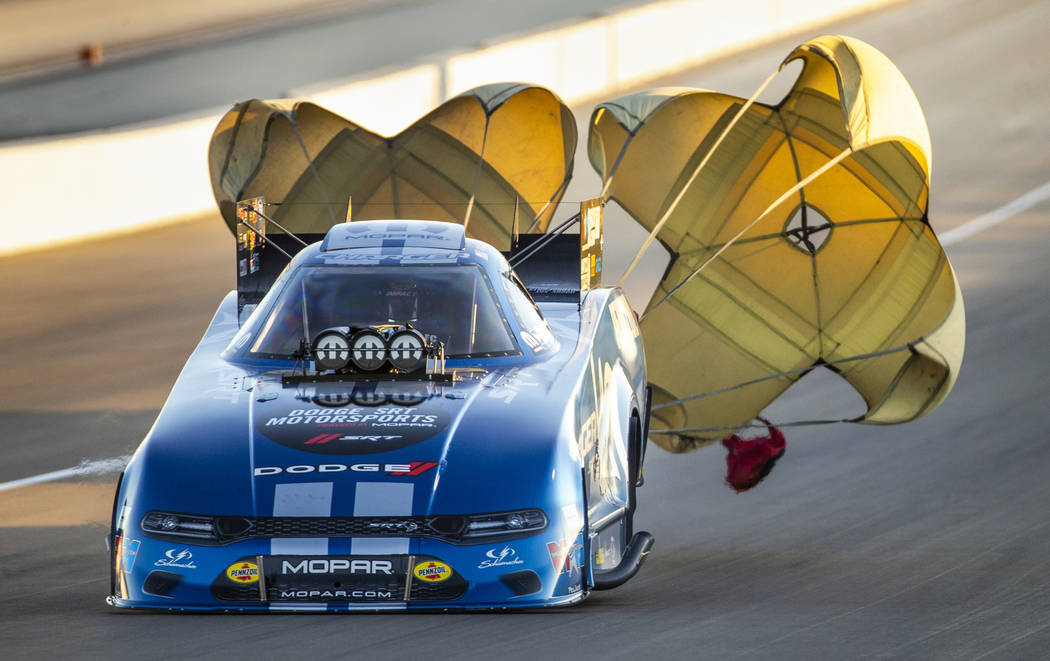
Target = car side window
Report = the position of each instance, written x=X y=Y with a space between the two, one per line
x=535 y=332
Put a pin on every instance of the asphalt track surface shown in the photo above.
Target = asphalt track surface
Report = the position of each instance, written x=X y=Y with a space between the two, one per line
x=923 y=541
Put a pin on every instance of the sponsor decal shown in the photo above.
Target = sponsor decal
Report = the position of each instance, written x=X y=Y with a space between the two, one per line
x=396 y=232
x=337 y=566
x=608 y=547
x=411 y=469
x=564 y=555
x=328 y=438
x=130 y=550
x=388 y=416
x=376 y=422
x=230 y=385
x=505 y=556
x=243 y=572
x=172 y=558
x=432 y=571
x=507 y=387
x=337 y=594
x=395 y=526
x=443 y=256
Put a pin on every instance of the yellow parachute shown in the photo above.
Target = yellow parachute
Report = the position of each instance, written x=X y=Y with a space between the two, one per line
x=798 y=236
x=798 y=233
x=490 y=158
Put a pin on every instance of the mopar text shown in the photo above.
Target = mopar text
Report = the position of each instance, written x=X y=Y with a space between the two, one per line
x=337 y=567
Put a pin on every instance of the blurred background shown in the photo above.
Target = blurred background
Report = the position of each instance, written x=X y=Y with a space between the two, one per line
x=926 y=540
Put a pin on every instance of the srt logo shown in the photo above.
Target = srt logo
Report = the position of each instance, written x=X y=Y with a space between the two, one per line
x=180 y=559
x=325 y=438
x=507 y=556
x=338 y=566
x=396 y=526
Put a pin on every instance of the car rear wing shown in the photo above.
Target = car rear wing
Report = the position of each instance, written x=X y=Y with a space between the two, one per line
x=555 y=266
x=258 y=269
x=561 y=265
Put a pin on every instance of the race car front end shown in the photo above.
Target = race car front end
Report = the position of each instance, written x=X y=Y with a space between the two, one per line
x=301 y=462
x=511 y=559
x=291 y=520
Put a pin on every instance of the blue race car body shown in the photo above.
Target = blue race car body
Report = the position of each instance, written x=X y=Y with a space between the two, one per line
x=503 y=480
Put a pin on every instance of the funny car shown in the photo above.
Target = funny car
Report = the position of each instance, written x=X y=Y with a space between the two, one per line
x=396 y=425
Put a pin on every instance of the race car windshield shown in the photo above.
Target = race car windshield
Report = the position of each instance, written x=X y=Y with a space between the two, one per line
x=454 y=305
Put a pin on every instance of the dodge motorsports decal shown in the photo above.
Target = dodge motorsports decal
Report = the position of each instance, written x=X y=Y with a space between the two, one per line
x=351 y=429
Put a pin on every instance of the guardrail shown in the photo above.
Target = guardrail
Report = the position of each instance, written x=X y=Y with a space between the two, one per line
x=72 y=187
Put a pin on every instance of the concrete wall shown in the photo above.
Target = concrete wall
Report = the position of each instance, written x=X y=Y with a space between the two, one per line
x=71 y=187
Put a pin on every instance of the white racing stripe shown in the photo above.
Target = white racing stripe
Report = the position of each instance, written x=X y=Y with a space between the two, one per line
x=954 y=235
x=301 y=499
x=381 y=499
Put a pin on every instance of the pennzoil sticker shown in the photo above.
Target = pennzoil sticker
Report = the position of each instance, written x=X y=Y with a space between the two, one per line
x=243 y=572
x=432 y=571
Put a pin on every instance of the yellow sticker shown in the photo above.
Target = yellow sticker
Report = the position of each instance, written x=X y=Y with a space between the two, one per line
x=432 y=571
x=243 y=572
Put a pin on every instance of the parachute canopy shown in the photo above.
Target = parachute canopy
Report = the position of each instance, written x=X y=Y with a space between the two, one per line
x=489 y=158
x=798 y=237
